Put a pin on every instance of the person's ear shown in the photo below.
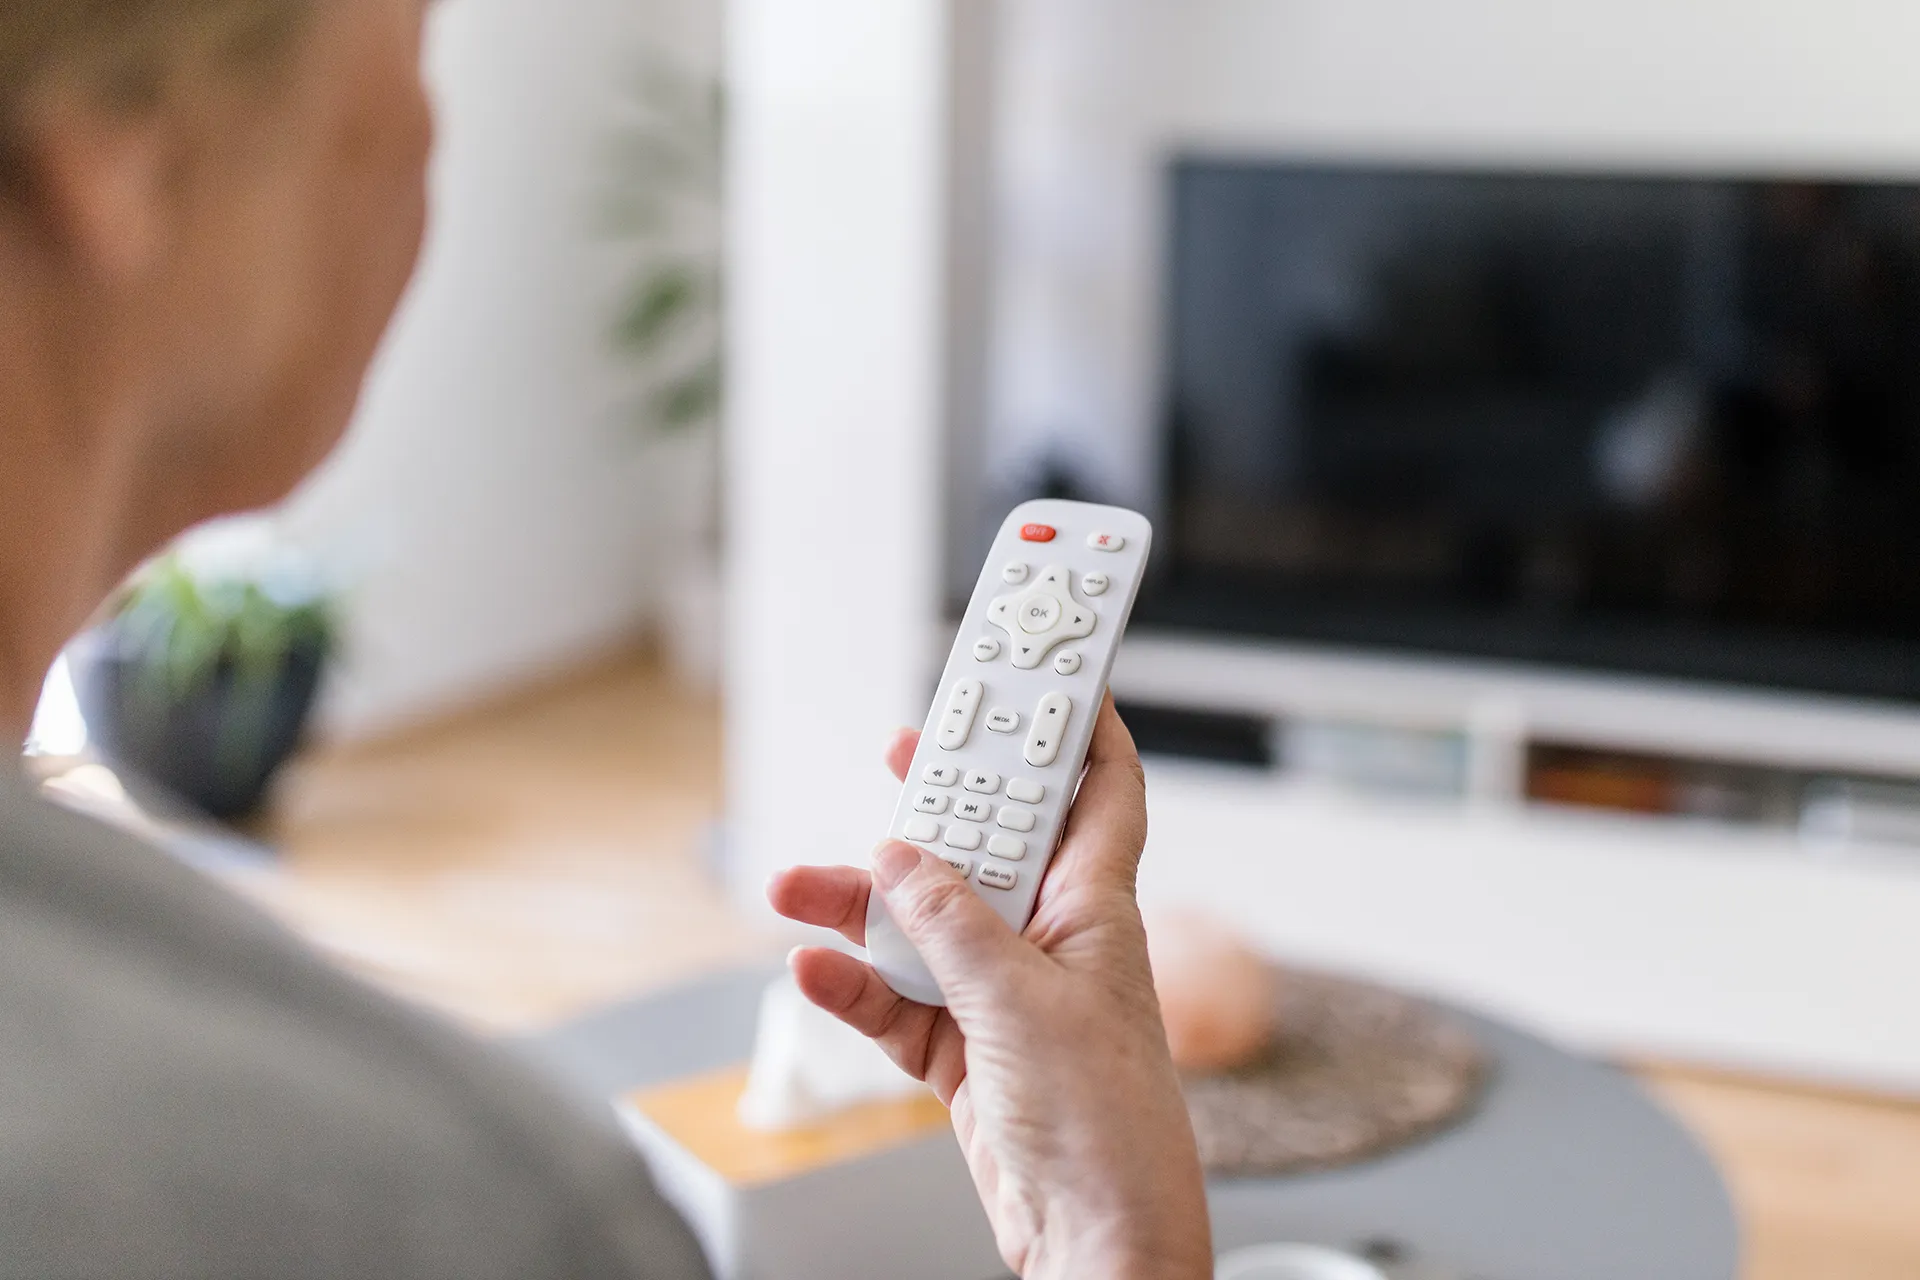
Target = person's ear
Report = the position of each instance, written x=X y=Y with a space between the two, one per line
x=96 y=183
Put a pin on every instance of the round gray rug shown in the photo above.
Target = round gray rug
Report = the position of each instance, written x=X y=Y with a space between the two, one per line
x=1355 y=1071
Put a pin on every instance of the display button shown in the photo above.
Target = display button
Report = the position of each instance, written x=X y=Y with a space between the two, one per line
x=941 y=775
x=973 y=810
x=1068 y=662
x=998 y=877
x=984 y=783
x=1038 y=533
x=923 y=830
x=1095 y=584
x=1001 y=720
x=986 y=649
x=1017 y=819
x=931 y=802
x=956 y=725
x=1012 y=848
x=1106 y=542
x=1040 y=613
x=1049 y=727
x=1015 y=573
x=1025 y=791
x=966 y=838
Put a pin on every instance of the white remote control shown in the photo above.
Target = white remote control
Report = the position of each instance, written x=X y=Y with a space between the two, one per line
x=1000 y=759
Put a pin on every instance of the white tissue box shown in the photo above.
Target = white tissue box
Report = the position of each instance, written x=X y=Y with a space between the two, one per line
x=875 y=1191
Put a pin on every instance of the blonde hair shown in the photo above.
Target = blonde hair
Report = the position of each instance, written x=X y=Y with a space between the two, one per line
x=125 y=50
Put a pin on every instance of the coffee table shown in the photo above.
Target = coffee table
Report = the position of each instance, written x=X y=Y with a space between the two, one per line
x=1568 y=1170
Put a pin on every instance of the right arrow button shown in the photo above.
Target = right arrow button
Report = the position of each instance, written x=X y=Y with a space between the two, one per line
x=1049 y=728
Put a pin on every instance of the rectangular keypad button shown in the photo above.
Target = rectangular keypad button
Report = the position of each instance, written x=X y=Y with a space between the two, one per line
x=1001 y=720
x=973 y=810
x=1049 y=727
x=985 y=784
x=998 y=877
x=962 y=865
x=940 y=775
x=924 y=830
x=960 y=837
x=931 y=802
x=1026 y=792
x=956 y=724
x=1017 y=819
x=1012 y=848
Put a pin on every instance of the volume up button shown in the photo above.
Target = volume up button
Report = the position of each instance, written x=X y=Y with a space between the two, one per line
x=956 y=723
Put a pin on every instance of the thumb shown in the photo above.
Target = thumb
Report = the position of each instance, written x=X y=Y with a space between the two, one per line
x=966 y=947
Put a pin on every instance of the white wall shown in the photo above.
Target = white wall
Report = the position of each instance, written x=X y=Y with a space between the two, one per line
x=492 y=511
x=1822 y=85
x=836 y=249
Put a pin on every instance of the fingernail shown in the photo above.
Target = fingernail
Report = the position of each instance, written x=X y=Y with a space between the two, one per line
x=794 y=955
x=894 y=862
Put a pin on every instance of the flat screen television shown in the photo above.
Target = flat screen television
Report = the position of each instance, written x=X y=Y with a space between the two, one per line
x=1657 y=424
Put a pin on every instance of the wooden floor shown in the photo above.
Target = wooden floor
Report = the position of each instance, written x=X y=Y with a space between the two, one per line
x=522 y=863
x=1828 y=1186
x=542 y=856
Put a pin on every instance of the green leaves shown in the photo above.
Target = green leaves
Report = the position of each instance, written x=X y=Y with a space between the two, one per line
x=663 y=301
x=182 y=632
x=691 y=399
x=663 y=199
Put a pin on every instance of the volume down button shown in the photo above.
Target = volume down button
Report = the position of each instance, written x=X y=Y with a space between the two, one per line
x=956 y=724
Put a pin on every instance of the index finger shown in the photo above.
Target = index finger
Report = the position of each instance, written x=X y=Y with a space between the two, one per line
x=900 y=749
x=1107 y=828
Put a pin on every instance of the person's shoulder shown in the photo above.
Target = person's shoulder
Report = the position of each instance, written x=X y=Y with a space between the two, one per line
x=195 y=1092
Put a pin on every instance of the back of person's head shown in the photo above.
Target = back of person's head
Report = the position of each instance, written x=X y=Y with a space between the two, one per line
x=125 y=51
x=208 y=210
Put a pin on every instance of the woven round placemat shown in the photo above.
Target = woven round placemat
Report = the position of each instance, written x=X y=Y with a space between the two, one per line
x=1355 y=1071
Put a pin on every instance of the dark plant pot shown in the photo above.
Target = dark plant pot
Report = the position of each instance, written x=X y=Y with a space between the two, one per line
x=217 y=748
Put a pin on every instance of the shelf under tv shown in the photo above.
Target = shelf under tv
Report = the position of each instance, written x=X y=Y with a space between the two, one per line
x=1733 y=942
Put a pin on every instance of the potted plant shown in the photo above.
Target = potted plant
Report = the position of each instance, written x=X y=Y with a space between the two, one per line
x=203 y=678
x=663 y=209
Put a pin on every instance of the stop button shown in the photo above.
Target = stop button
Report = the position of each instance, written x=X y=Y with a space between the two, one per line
x=1038 y=533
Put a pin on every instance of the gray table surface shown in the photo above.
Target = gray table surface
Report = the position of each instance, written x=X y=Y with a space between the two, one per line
x=1568 y=1170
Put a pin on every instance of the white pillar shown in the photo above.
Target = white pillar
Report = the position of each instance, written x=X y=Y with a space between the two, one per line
x=837 y=162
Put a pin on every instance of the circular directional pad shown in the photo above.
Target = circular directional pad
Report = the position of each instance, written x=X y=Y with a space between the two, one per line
x=1042 y=619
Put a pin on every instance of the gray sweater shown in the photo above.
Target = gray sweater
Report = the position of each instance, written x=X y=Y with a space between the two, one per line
x=185 y=1091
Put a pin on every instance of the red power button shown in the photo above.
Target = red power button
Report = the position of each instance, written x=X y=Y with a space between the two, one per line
x=1037 y=533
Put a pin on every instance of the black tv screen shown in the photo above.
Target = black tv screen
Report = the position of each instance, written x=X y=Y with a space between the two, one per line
x=1636 y=423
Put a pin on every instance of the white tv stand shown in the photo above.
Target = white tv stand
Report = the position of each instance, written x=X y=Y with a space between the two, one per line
x=1620 y=933
x=1499 y=703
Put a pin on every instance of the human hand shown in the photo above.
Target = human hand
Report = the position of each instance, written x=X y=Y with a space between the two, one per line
x=1051 y=1053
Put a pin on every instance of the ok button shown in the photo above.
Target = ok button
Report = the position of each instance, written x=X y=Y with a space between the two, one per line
x=1039 y=614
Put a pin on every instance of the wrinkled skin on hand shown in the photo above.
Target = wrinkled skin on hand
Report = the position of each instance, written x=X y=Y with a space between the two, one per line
x=1051 y=1052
